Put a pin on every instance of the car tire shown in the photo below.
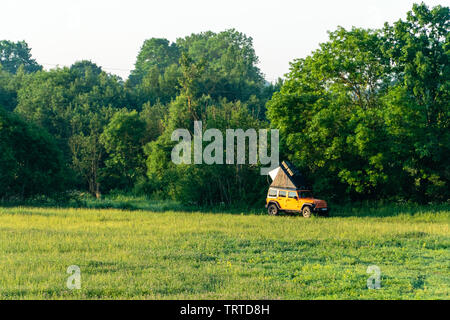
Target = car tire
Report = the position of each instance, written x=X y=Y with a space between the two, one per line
x=272 y=209
x=306 y=211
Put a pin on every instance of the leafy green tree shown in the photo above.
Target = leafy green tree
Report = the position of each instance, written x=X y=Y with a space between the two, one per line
x=204 y=184
x=73 y=105
x=419 y=49
x=30 y=162
x=328 y=112
x=16 y=54
x=192 y=71
x=123 y=139
x=45 y=99
x=156 y=72
x=154 y=118
x=231 y=70
x=51 y=99
x=418 y=111
x=8 y=93
x=88 y=153
x=155 y=53
x=228 y=68
x=366 y=115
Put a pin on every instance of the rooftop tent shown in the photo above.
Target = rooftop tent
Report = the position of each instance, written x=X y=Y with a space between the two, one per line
x=287 y=176
x=274 y=173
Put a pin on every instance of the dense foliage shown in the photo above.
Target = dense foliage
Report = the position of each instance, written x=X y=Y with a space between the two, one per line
x=30 y=162
x=16 y=55
x=365 y=116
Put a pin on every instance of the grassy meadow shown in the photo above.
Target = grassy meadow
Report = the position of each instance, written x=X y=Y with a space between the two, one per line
x=159 y=254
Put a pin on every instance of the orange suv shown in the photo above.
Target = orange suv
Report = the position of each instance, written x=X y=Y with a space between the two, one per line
x=292 y=200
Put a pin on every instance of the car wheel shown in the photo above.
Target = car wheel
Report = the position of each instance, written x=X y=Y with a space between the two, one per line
x=272 y=210
x=306 y=212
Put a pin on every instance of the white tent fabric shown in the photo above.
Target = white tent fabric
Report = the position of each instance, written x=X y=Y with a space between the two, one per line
x=274 y=173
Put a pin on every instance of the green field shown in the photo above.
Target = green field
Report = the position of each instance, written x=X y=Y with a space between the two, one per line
x=142 y=254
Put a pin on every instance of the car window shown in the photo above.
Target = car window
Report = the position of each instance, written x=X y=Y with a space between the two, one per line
x=282 y=193
x=272 y=193
x=292 y=194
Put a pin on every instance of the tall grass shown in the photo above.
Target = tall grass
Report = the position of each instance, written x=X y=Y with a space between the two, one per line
x=161 y=254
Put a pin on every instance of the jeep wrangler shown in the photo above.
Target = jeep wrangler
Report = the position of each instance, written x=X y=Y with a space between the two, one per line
x=292 y=200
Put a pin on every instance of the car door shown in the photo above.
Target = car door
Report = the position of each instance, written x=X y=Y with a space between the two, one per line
x=292 y=201
x=282 y=194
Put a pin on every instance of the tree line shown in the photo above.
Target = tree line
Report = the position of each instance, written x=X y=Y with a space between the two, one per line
x=365 y=116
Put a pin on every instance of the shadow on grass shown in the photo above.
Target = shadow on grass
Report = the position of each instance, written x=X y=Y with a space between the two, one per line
x=132 y=203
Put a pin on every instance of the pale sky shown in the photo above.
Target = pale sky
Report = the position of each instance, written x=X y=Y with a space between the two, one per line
x=111 y=32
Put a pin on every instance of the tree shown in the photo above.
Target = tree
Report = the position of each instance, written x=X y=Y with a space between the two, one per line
x=229 y=68
x=16 y=54
x=366 y=115
x=86 y=149
x=73 y=105
x=189 y=82
x=204 y=184
x=419 y=49
x=419 y=104
x=8 y=93
x=329 y=114
x=156 y=72
x=30 y=162
x=155 y=52
x=123 y=139
x=153 y=116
